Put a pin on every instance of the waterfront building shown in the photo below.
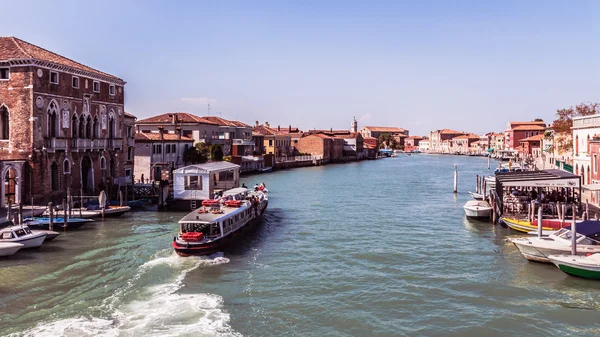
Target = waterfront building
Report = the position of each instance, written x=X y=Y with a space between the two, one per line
x=496 y=141
x=376 y=131
x=531 y=146
x=275 y=143
x=62 y=125
x=353 y=145
x=328 y=148
x=234 y=137
x=158 y=152
x=424 y=145
x=412 y=143
x=584 y=129
x=516 y=131
x=439 y=140
x=371 y=141
x=462 y=144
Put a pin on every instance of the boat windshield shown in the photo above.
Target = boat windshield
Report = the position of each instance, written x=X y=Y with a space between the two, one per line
x=567 y=235
x=20 y=232
x=208 y=229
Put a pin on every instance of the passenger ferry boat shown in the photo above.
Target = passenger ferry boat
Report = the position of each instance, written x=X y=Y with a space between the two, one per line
x=220 y=222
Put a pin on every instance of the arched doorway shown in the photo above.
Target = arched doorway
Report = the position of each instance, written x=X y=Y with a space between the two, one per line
x=87 y=175
x=10 y=186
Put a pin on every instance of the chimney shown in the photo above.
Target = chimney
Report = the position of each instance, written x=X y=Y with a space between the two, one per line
x=290 y=128
x=174 y=118
x=278 y=128
x=160 y=132
x=330 y=129
x=256 y=124
x=267 y=125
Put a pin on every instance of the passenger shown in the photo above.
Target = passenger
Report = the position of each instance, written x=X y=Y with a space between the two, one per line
x=256 y=187
x=244 y=185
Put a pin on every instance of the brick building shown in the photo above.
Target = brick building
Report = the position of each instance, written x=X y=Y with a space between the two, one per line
x=63 y=125
x=329 y=148
x=531 y=146
x=516 y=131
x=412 y=143
x=440 y=140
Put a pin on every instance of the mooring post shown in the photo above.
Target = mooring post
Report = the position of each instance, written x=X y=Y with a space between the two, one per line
x=80 y=201
x=573 y=235
x=493 y=203
x=66 y=217
x=488 y=161
x=455 y=178
x=120 y=198
x=9 y=210
x=477 y=183
x=51 y=209
x=21 y=214
x=540 y=222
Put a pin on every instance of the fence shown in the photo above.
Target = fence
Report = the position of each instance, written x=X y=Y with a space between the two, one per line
x=294 y=158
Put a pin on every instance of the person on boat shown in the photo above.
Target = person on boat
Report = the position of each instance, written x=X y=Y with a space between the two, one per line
x=261 y=187
x=256 y=187
x=244 y=185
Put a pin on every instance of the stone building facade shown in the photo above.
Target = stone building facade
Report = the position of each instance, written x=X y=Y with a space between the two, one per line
x=63 y=125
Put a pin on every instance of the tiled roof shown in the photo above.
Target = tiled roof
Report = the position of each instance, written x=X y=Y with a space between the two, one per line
x=451 y=132
x=529 y=128
x=262 y=130
x=415 y=137
x=384 y=129
x=224 y=122
x=470 y=136
x=12 y=48
x=148 y=137
x=167 y=118
x=351 y=135
x=533 y=138
x=528 y=123
x=370 y=138
x=128 y=115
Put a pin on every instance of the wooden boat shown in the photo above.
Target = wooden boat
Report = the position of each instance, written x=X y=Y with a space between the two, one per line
x=22 y=235
x=9 y=248
x=477 y=209
x=212 y=228
x=44 y=223
x=476 y=196
x=527 y=226
x=582 y=266
x=559 y=243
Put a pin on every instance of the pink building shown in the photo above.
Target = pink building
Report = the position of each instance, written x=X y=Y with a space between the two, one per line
x=518 y=131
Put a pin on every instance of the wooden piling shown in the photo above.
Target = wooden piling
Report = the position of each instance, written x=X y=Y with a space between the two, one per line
x=489 y=161
x=477 y=183
x=540 y=222
x=493 y=204
x=455 y=178
x=21 y=214
x=51 y=209
x=584 y=216
x=120 y=198
x=80 y=201
x=66 y=214
x=9 y=210
x=573 y=235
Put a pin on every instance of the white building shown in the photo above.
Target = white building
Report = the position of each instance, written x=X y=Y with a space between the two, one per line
x=424 y=145
x=584 y=129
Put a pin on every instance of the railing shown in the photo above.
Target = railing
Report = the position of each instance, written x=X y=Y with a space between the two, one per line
x=564 y=166
x=295 y=158
x=56 y=144
x=98 y=144
x=243 y=142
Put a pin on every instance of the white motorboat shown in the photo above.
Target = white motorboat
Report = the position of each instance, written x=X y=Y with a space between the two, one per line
x=9 y=248
x=50 y=235
x=90 y=213
x=23 y=235
x=476 y=196
x=477 y=209
x=559 y=243
x=582 y=266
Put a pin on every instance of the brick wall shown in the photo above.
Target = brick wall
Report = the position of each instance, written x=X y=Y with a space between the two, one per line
x=315 y=145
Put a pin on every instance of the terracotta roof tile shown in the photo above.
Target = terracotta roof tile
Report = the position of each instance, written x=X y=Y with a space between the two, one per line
x=224 y=122
x=167 y=118
x=128 y=115
x=12 y=48
x=384 y=129
x=532 y=138
x=529 y=128
x=149 y=137
x=451 y=132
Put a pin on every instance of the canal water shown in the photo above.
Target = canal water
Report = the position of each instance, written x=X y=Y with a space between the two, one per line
x=376 y=248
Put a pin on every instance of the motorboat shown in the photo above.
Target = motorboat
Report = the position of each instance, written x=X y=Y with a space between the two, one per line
x=582 y=266
x=92 y=212
x=548 y=225
x=265 y=169
x=476 y=196
x=477 y=209
x=559 y=243
x=50 y=235
x=9 y=248
x=218 y=223
x=44 y=223
x=23 y=235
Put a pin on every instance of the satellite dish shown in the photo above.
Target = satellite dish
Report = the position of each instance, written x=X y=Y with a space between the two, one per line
x=102 y=199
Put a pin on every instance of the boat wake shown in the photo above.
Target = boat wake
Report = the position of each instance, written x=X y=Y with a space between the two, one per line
x=153 y=309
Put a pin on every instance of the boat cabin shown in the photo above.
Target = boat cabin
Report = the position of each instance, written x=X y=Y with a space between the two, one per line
x=14 y=232
x=203 y=181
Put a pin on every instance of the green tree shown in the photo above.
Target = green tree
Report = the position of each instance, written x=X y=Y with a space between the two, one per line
x=216 y=153
x=193 y=156
x=564 y=122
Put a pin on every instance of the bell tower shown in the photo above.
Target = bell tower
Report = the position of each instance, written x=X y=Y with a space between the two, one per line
x=354 y=125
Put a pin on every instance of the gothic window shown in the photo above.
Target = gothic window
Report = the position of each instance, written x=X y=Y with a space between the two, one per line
x=53 y=119
x=129 y=153
x=88 y=127
x=4 y=120
x=81 y=127
x=74 y=126
x=66 y=166
x=96 y=128
x=54 y=177
x=102 y=163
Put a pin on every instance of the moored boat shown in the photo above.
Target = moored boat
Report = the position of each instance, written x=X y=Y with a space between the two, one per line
x=548 y=225
x=476 y=196
x=44 y=223
x=50 y=235
x=559 y=243
x=582 y=266
x=22 y=235
x=9 y=248
x=477 y=209
x=215 y=225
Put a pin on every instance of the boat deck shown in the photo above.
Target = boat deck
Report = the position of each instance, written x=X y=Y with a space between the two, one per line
x=225 y=211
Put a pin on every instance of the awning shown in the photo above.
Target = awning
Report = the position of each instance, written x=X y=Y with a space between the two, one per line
x=546 y=178
x=591 y=187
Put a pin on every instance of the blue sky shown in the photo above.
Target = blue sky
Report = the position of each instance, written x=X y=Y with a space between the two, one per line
x=421 y=65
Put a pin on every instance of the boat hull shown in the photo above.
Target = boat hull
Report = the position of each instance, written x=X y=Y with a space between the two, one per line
x=58 y=224
x=31 y=241
x=539 y=253
x=219 y=245
x=526 y=226
x=9 y=248
x=478 y=213
x=577 y=266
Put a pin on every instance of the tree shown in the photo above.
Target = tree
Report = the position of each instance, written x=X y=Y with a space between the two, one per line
x=563 y=124
x=538 y=120
x=193 y=156
x=216 y=153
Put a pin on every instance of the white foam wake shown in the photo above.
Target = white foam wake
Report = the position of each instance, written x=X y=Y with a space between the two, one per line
x=161 y=311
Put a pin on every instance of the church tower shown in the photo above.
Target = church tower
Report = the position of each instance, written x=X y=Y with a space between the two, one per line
x=354 y=125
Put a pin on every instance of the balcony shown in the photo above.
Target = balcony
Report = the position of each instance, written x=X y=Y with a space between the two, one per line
x=98 y=144
x=115 y=144
x=56 y=144
x=246 y=142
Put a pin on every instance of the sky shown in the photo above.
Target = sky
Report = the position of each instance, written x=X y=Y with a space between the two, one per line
x=420 y=65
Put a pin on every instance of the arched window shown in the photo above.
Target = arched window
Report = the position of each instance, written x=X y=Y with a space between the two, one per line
x=102 y=163
x=54 y=176
x=53 y=119
x=81 y=127
x=112 y=168
x=66 y=167
x=74 y=126
x=96 y=128
x=111 y=125
x=88 y=127
x=4 y=127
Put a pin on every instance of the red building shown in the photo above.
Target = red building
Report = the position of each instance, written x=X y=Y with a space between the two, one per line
x=63 y=125
x=517 y=131
x=531 y=146
x=412 y=143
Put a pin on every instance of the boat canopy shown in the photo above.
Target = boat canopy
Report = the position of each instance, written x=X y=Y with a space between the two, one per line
x=200 y=169
x=546 y=178
x=587 y=227
x=235 y=191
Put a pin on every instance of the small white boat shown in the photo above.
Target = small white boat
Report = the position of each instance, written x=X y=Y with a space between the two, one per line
x=476 y=196
x=265 y=169
x=50 y=235
x=477 y=209
x=582 y=266
x=22 y=235
x=9 y=248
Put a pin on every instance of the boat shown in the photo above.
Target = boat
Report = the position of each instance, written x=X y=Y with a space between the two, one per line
x=265 y=169
x=50 y=235
x=137 y=203
x=582 y=266
x=559 y=243
x=409 y=154
x=476 y=196
x=23 y=235
x=211 y=228
x=9 y=248
x=525 y=226
x=44 y=223
x=477 y=209
x=92 y=212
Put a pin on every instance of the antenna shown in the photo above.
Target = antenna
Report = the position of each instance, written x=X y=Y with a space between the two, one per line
x=209 y=108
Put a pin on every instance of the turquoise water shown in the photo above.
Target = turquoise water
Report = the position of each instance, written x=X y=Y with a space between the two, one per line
x=376 y=248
